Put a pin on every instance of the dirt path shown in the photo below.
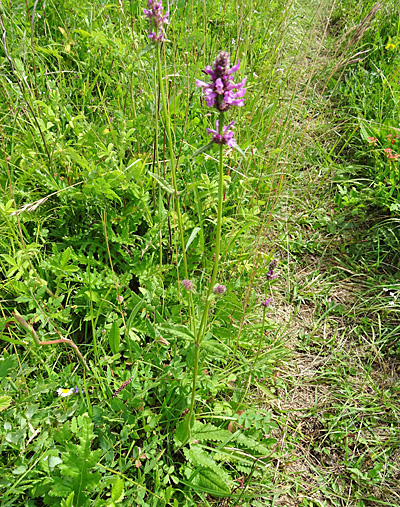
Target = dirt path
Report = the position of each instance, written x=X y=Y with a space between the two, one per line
x=337 y=401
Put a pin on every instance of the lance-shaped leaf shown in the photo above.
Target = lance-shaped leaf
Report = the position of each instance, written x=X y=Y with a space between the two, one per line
x=163 y=183
x=204 y=148
x=239 y=150
x=114 y=337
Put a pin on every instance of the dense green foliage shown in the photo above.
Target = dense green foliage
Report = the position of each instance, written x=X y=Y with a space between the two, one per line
x=368 y=93
x=90 y=246
x=89 y=252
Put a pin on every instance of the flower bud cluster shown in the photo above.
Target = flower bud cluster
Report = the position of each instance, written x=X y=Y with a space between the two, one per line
x=271 y=267
x=154 y=13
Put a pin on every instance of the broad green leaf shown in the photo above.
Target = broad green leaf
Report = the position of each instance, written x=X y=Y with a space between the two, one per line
x=181 y=434
x=5 y=401
x=78 y=462
x=9 y=259
x=199 y=457
x=251 y=443
x=114 y=337
x=177 y=330
x=7 y=365
x=215 y=348
x=65 y=256
x=209 y=432
x=11 y=340
x=21 y=469
x=53 y=461
x=117 y=492
x=211 y=482
x=137 y=307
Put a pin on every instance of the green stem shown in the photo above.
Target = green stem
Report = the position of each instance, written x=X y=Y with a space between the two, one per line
x=257 y=356
x=261 y=338
x=157 y=161
x=167 y=120
x=217 y=249
x=204 y=319
x=194 y=382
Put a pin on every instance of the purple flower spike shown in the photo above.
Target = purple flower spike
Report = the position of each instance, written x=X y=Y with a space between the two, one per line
x=266 y=302
x=225 y=138
x=219 y=289
x=219 y=92
x=154 y=13
x=187 y=284
x=271 y=267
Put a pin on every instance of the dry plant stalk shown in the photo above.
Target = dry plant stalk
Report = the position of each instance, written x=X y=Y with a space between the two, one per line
x=31 y=330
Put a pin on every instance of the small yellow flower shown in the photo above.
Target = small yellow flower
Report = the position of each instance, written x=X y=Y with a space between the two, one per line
x=390 y=45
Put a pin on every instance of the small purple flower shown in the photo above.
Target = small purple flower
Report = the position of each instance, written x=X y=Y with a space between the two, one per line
x=219 y=92
x=154 y=13
x=219 y=289
x=226 y=137
x=187 y=284
x=266 y=302
x=76 y=390
x=270 y=275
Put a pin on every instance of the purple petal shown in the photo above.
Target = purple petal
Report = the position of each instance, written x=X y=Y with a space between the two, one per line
x=234 y=68
x=210 y=71
x=201 y=84
x=219 y=86
x=237 y=86
x=238 y=103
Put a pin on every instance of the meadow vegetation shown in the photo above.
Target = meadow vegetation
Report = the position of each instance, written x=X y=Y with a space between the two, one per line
x=199 y=265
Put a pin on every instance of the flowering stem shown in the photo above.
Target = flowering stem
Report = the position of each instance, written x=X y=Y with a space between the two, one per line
x=217 y=248
x=203 y=324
